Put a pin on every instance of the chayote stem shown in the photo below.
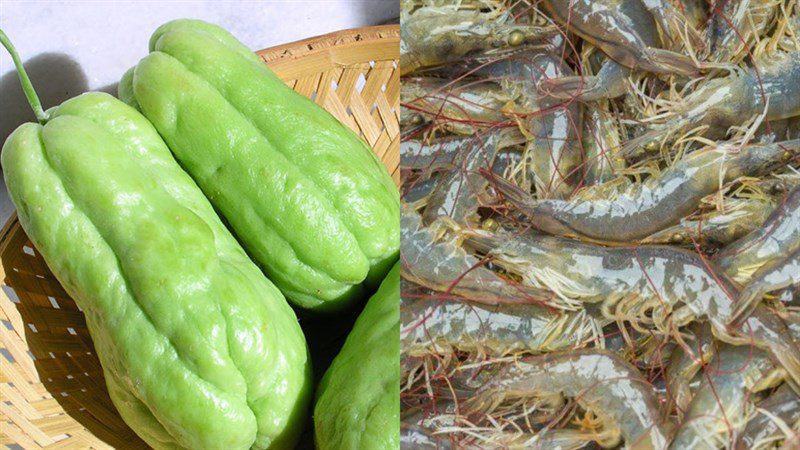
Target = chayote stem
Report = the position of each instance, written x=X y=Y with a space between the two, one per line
x=27 y=87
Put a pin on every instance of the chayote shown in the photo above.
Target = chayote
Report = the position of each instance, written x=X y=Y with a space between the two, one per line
x=199 y=350
x=358 y=399
x=304 y=195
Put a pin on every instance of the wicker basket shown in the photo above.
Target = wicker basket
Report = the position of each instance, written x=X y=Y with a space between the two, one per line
x=53 y=393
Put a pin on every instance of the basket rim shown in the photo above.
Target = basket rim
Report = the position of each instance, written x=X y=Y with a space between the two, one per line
x=323 y=43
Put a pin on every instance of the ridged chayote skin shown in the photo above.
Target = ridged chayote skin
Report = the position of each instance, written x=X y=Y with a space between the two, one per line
x=303 y=194
x=358 y=399
x=199 y=350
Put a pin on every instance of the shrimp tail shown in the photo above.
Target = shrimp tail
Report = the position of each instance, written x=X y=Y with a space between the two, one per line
x=664 y=61
x=748 y=300
x=585 y=89
x=481 y=243
x=643 y=143
x=510 y=192
x=788 y=356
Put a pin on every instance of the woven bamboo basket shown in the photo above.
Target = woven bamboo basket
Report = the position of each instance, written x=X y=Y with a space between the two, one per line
x=51 y=383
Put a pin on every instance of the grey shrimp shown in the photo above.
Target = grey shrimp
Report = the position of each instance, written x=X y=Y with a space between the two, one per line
x=440 y=326
x=624 y=30
x=721 y=404
x=666 y=286
x=435 y=35
x=763 y=429
x=773 y=276
x=437 y=262
x=770 y=91
x=599 y=381
x=457 y=193
x=717 y=227
x=779 y=235
x=649 y=207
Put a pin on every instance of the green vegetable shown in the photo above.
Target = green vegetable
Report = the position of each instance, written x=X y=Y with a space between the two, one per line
x=358 y=399
x=306 y=197
x=199 y=350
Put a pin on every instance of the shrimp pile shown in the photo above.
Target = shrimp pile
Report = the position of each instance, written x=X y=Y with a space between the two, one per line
x=600 y=220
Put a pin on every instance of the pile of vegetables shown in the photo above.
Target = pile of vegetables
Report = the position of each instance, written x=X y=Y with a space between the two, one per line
x=169 y=214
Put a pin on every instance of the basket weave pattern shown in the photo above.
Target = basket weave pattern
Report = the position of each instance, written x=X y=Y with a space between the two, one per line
x=51 y=383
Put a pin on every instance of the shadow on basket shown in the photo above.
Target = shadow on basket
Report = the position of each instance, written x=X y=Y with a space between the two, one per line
x=60 y=355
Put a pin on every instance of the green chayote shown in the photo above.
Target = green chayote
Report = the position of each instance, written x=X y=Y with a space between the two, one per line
x=358 y=399
x=199 y=350
x=303 y=194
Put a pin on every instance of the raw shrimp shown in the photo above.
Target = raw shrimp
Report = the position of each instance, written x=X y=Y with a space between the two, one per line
x=779 y=235
x=436 y=262
x=442 y=153
x=554 y=145
x=775 y=275
x=666 y=286
x=461 y=108
x=611 y=81
x=763 y=429
x=721 y=103
x=672 y=23
x=735 y=25
x=685 y=364
x=717 y=227
x=649 y=207
x=600 y=381
x=435 y=35
x=602 y=143
x=440 y=326
x=456 y=194
x=721 y=405
x=623 y=29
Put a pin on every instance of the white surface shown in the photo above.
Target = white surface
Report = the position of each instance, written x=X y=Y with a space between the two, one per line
x=70 y=47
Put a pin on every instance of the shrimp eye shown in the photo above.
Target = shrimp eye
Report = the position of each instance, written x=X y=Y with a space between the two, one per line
x=416 y=119
x=516 y=38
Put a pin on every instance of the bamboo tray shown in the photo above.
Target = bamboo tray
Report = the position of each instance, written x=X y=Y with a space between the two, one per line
x=51 y=383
